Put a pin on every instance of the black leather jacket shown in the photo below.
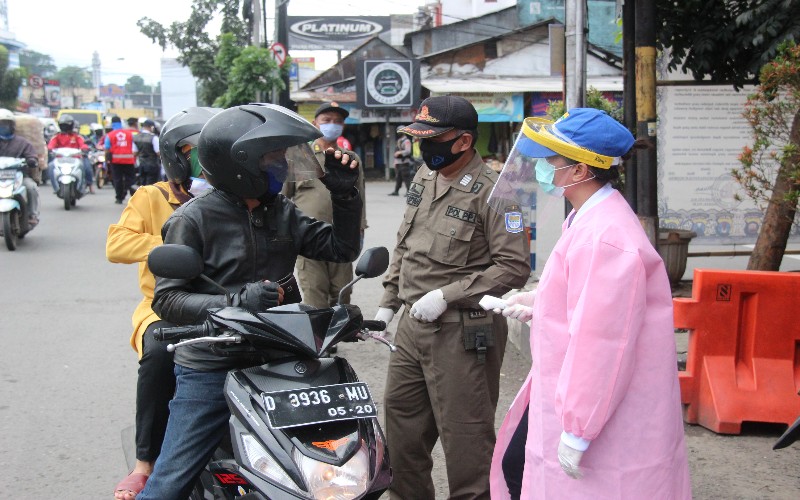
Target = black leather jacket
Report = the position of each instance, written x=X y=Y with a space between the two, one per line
x=239 y=247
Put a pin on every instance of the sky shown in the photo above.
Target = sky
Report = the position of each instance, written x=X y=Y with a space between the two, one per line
x=70 y=32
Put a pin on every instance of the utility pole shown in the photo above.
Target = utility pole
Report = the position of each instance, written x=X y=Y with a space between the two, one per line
x=646 y=160
x=282 y=37
x=575 y=15
x=256 y=24
x=629 y=93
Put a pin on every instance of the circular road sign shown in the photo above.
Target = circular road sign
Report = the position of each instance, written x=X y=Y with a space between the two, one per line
x=278 y=53
x=388 y=83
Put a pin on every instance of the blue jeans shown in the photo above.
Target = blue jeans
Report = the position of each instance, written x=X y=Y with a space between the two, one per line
x=198 y=419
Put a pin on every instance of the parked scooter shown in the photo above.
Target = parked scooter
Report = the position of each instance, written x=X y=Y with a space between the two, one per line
x=14 y=201
x=302 y=425
x=97 y=158
x=68 y=165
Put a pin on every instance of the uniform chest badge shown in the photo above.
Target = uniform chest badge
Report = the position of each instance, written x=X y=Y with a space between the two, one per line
x=513 y=218
x=465 y=180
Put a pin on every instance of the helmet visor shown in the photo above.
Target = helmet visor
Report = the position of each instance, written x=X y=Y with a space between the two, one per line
x=293 y=164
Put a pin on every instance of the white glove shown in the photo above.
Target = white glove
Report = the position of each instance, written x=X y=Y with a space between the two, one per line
x=570 y=458
x=429 y=307
x=386 y=315
x=519 y=306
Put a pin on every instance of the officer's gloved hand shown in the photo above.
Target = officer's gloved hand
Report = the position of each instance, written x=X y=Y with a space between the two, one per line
x=569 y=456
x=519 y=306
x=386 y=315
x=341 y=172
x=429 y=307
x=259 y=296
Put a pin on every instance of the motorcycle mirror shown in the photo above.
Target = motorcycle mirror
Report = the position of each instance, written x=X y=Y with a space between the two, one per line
x=175 y=262
x=373 y=262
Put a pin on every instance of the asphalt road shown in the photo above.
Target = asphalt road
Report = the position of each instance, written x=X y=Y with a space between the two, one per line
x=67 y=373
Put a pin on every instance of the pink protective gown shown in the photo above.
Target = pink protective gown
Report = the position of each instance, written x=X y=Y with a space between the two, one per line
x=604 y=368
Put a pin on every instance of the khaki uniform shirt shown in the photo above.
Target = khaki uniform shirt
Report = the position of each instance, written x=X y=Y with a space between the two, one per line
x=456 y=242
x=314 y=199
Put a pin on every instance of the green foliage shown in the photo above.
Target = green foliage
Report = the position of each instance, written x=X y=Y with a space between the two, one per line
x=136 y=84
x=74 y=76
x=594 y=99
x=197 y=48
x=37 y=63
x=10 y=81
x=253 y=76
x=772 y=111
x=726 y=40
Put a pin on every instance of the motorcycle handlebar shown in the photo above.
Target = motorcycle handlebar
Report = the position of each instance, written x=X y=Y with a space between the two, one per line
x=373 y=325
x=179 y=332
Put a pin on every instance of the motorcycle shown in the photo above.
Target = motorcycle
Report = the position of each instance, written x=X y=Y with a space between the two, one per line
x=97 y=158
x=13 y=201
x=302 y=425
x=68 y=165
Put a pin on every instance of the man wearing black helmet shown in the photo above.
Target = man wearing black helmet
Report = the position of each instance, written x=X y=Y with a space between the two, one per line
x=249 y=236
x=68 y=138
x=130 y=241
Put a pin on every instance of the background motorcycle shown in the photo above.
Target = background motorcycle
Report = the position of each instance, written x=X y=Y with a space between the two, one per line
x=97 y=158
x=14 y=201
x=68 y=165
x=302 y=425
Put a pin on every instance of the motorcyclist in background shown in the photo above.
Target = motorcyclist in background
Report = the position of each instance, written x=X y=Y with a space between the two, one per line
x=130 y=241
x=250 y=236
x=68 y=138
x=13 y=146
x=96 y=136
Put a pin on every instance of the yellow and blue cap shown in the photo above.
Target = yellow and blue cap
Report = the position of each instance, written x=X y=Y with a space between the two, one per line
x=586 y=135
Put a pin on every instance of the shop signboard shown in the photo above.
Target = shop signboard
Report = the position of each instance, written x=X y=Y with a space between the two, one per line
x=334 y=32
x=387 y=83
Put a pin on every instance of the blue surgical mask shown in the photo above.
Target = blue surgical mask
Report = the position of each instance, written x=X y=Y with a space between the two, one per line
x=6 y=132
x=545 y=172
x=277 y=172
x=331 y=131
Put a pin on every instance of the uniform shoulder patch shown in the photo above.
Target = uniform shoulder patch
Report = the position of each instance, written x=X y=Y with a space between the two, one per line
x=414 y=195
x=513 y=218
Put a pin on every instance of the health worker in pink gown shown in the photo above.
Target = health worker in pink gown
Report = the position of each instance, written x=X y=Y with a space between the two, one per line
x=599 y=416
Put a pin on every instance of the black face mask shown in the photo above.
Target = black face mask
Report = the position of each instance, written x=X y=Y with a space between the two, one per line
x=438 y=155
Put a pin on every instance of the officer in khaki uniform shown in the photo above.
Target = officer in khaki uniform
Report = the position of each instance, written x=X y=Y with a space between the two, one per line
x=321 y=281
x=452 y=249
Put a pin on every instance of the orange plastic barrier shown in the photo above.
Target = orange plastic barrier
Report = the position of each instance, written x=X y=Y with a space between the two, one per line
x=744 y=349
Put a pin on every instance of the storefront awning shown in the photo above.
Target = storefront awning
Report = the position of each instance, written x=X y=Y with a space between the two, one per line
x=506 y=85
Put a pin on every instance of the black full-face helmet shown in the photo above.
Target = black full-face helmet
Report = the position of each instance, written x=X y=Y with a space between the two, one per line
x=251 y=150
x=66 y=123
x=182 y=129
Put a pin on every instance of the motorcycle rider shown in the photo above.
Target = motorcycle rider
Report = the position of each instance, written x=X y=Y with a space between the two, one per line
x=120 y=158
x=130 y=241
x=69 y=138
x=249 y=236
x=14 y=146
x=146 y=148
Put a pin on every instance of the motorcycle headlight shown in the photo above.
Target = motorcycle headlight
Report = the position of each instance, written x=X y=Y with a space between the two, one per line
x=262 y=462
x=328 y=482
x=6 y=189
x=18 y=180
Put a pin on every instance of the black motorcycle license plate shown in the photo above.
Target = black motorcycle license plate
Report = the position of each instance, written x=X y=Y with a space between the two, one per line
x=315 y=405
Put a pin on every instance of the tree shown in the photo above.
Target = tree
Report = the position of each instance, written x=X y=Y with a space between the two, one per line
x=37 y=63
x=727 y=40
x=74 y=76
x=10 y=80
x=730 y=41
x=594 y=99
x=252 y=77
x=197 y=49
x=136 y=84
x=770 y=170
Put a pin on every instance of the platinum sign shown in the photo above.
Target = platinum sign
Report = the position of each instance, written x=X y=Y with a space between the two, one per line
x=338 y=33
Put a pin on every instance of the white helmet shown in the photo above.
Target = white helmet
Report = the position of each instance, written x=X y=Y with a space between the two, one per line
x=7 y=115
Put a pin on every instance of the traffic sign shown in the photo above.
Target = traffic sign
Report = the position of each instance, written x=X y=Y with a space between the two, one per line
x=36 y=81
x=278 y=53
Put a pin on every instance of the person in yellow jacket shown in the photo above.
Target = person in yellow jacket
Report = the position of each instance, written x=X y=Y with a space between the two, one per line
x=130 y=241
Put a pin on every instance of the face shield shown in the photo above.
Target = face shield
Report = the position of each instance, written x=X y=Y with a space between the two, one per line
x=293 y=164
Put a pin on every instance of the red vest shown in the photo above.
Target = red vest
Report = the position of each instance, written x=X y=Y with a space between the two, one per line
x=122 y=146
